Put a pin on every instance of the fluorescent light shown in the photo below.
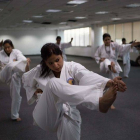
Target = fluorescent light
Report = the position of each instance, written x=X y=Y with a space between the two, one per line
x=77 y=2
x=80 y=17
x=71 y=5
x=28 y=21
x=102 y=12
x=116 y=18
x=63 y=23
x=133 y=5
x=53 y=10
x=37 y=16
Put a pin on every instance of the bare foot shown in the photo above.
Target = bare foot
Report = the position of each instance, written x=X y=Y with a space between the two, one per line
x=108 y=98
x=112 y=107
x=113 y=67
x=112 y=89
x=17 y=120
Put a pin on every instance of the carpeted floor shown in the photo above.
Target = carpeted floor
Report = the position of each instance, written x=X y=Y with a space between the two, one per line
x=120 y=124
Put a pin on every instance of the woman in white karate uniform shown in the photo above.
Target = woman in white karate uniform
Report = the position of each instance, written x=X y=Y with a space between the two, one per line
x=63 y=46
x=12 y=65
x=107 y=55
x=126 y=60
x=63 y=86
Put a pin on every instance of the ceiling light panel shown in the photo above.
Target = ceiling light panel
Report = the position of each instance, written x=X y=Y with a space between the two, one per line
x=77 y=2
x=135 y=5
x=38 y=16
x=116 y=18
x=27 y=21
x=102 y=12
x=53 y=10
x=62 y=23
x=80 y=17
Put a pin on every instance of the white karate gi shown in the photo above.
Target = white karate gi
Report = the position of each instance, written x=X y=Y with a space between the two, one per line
x=10 y=73
x=111 y=56
x=62 y=47
x=56 y=109
x=126 y=61
x=126 y=64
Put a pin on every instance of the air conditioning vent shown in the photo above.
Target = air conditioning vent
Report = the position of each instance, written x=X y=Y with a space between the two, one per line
x=67 y=11
x=46 y=23
x=72 y=20
x=71 y=5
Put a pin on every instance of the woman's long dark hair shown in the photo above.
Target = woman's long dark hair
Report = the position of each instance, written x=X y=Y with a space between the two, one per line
x=46 y=51
x=9 y=42
x=106 y=35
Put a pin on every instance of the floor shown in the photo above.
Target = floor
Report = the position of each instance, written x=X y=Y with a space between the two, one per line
x=123 y=123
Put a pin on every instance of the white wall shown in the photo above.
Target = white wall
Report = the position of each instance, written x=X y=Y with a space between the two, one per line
x=96 y=40
x=29 y=41
x=61 y=34
x=79 y=51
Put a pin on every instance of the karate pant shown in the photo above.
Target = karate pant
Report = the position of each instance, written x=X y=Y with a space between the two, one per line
x=11 y=75
x=104 y=68
x=15 y=86
x=126 y=68
x=49 y=113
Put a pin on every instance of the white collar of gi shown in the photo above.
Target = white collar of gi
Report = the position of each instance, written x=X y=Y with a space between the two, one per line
x=5 y=52
x=63 y=72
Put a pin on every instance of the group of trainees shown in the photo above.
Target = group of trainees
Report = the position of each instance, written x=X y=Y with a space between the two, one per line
x=12 y=66
x=58 y=87
x=107 y=55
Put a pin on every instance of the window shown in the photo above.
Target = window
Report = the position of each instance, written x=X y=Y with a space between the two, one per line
x=127 y=32
x=136 y=31
x=81 y=36
x=111 y=31
x=104 y=29
x=130 y=31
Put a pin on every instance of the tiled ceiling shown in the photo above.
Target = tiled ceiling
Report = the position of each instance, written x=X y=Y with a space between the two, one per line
x=15 y=11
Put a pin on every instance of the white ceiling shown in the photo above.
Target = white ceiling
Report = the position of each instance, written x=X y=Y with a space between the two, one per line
x=15 y=11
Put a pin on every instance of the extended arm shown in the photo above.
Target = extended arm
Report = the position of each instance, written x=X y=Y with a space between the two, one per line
x=87 y=78
x=122 y=49
x=66 y=45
